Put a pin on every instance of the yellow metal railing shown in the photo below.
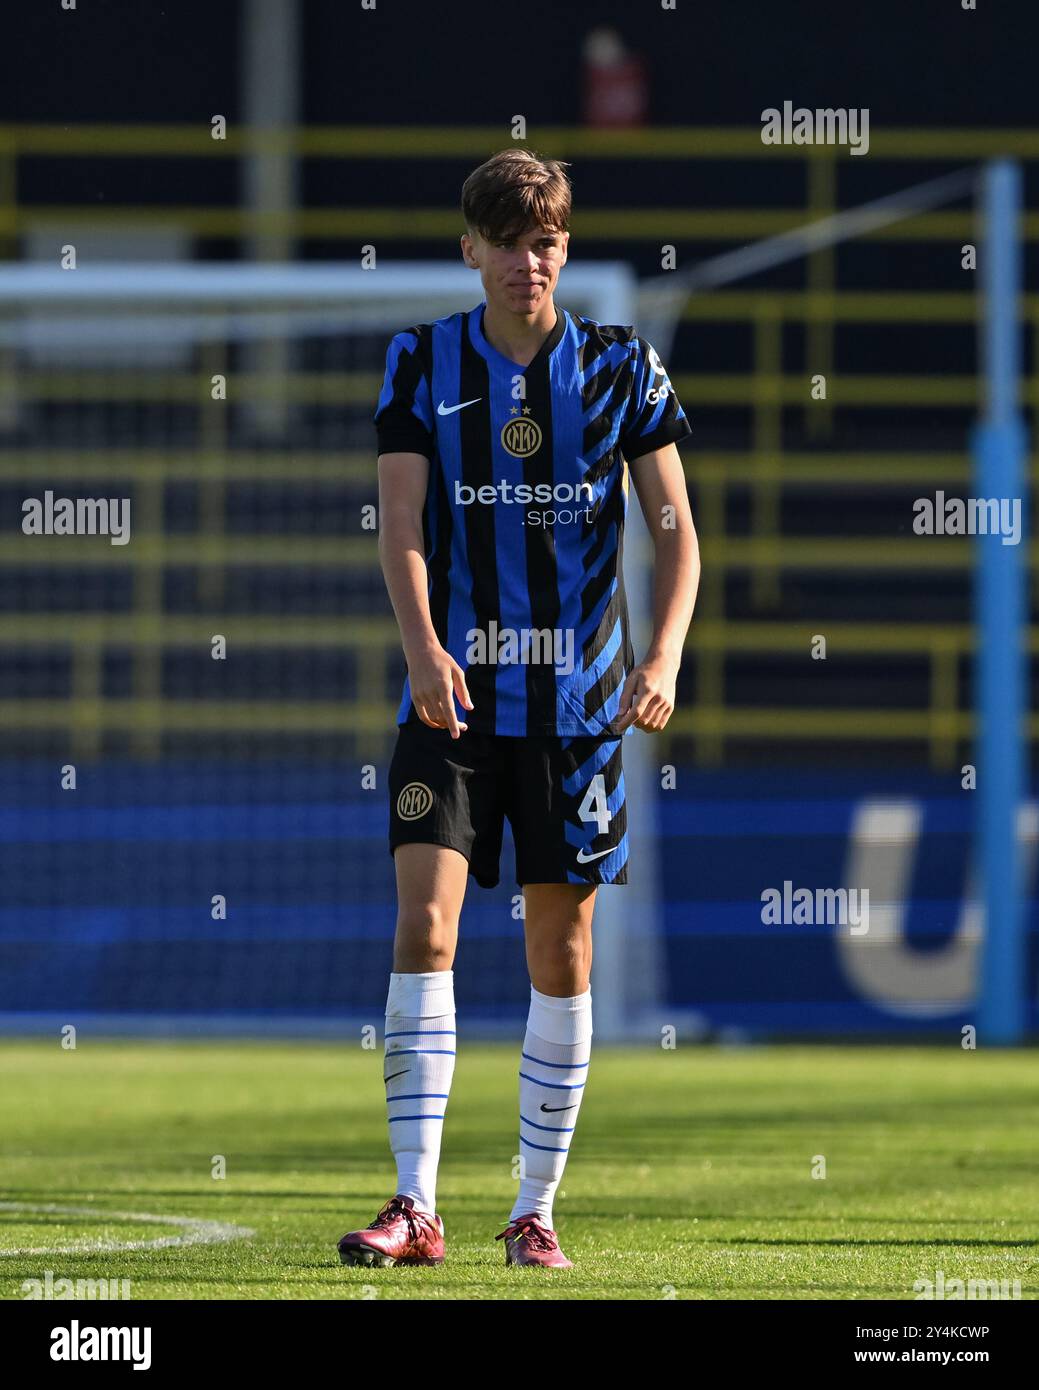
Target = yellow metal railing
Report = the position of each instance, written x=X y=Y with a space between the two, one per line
x=958 y=144
x=341 y=388
x=375 y=639
x=361 y=143
x=764 y=469
x=148 y=631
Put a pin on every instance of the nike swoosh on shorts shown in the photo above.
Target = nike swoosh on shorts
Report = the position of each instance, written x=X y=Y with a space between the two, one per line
x=583 y=858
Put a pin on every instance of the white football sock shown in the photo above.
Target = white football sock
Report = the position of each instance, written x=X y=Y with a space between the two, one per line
x=553 y=1070
x=418 y=1064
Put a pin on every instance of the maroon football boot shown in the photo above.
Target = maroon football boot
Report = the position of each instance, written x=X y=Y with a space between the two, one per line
x=399 y=1235
x=529 y=1242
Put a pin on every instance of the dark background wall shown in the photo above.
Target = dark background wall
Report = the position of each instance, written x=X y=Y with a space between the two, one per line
x=915 y=62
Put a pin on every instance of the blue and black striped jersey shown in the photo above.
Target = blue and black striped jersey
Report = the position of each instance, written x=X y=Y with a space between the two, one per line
x=523 y=525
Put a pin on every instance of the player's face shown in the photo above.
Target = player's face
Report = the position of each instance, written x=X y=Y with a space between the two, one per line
x=520 y=275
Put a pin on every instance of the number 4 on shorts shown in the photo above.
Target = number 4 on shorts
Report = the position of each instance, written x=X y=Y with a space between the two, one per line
x=594 y=806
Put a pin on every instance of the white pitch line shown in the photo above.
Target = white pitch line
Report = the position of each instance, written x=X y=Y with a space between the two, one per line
x=197 y=1230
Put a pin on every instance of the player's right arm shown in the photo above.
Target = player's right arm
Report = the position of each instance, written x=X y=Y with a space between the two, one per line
x=405 y=426
x=433 y=674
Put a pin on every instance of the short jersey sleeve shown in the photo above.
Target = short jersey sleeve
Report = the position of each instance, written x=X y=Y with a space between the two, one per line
x=404 y=414
x=653 y=416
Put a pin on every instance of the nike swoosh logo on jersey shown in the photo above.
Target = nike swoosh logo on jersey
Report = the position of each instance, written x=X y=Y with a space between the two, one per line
x=395 y=1075
x=583 y=858
x=554 y=1109
x=443 y=409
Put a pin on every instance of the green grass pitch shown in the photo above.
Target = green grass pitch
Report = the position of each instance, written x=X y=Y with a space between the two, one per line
x=690 y=1174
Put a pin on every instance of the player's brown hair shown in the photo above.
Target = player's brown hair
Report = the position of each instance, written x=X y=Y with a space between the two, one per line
x=515 y=191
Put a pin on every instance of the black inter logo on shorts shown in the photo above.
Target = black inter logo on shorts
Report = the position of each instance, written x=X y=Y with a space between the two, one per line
x=414 y=801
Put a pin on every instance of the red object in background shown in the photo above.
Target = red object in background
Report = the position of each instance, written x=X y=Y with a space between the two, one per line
x=616 y=82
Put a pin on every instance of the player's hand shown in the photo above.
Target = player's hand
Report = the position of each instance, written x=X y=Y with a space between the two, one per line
x=435 y=678
x=648 y=696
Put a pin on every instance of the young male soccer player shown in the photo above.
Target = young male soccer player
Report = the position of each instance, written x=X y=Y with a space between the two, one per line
x=505 y=438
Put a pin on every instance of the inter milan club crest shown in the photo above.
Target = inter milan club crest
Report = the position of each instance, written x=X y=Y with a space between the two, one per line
x=414 y=801
x=521 y=437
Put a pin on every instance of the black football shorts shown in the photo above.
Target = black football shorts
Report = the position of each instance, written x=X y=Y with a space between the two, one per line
x=563 y=797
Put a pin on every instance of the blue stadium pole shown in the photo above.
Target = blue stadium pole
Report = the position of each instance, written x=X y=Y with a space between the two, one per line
x=1000 y=448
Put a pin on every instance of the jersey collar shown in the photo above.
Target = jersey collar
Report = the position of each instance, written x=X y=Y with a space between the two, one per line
x=492 y=354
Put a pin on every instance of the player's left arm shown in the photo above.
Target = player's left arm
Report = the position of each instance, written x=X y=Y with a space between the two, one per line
x=648 y=697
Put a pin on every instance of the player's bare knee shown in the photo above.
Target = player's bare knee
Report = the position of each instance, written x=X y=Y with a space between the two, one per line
x=562 y=965
x=425 y=937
